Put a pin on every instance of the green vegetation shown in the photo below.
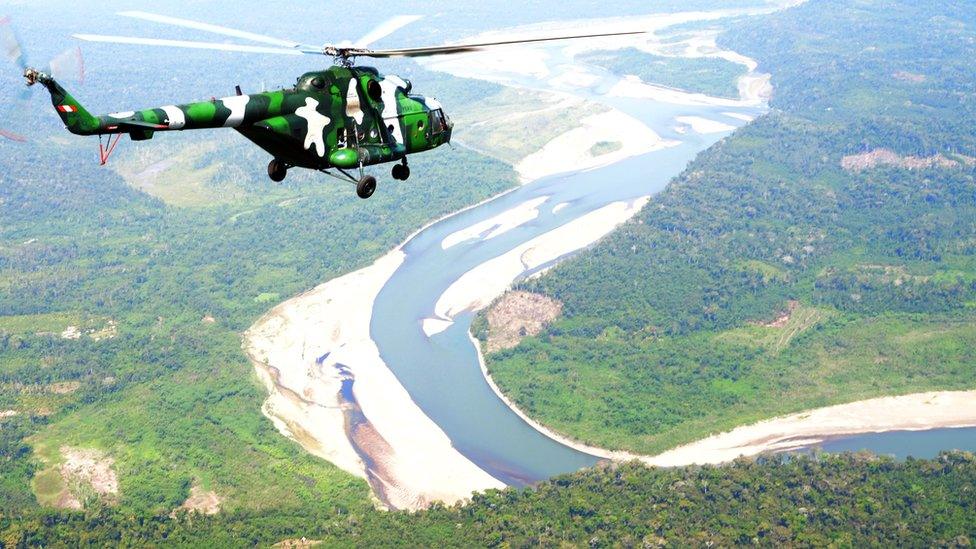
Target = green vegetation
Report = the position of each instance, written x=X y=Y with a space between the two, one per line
x=601 y=148
x=669 y=330
x=673 y=325
x=851 y=500
x=515 y=123
x=708 y=75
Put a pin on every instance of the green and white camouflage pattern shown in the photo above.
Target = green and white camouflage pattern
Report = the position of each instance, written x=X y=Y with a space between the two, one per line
x=342 y=117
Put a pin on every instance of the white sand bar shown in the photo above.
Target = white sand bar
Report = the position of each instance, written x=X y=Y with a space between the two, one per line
x=915 y=412
x=570 y=151
x=704 y=125
x=481 y=285
x=500 y=224
x=332 y=321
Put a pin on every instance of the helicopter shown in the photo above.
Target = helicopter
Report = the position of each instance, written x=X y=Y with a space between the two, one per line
x=336 y=121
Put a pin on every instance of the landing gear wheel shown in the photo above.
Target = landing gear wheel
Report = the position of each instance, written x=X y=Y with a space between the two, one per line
x=401 y=172
x=366 y=187
x=277 y=170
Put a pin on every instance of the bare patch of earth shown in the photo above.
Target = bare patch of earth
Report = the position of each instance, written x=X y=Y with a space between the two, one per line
x=783 y=319
x=518 y=315
x=301 y=543
x=202 y=501
x=86 y=472
x=887 y=157
x=912 y=77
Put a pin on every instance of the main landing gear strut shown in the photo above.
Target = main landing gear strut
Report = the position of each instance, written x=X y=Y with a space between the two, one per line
x=365 y=185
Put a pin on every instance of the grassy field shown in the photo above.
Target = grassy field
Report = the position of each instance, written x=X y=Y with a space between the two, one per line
x=516 y=123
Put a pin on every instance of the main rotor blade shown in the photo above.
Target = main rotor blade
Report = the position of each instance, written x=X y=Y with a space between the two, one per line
x=206 y=27
x=187 y=44
x=11 y=44
x=463 y=48
x=385 y=29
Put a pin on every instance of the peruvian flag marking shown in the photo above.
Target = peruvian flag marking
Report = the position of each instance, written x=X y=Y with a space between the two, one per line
x=67 y=108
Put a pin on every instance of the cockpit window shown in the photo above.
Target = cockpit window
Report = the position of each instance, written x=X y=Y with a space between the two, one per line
x=437 y=121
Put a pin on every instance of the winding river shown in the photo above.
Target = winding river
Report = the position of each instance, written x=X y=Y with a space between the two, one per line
x=442 y=372
x=376 y=370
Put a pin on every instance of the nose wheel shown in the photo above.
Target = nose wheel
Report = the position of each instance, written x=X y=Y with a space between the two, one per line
x=277 y=170
x=401 y=172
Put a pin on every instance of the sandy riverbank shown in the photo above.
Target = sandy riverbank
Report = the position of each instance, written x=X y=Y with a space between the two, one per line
x=915 y=412
x=483 y=284
x=298 y=348
x=498 y=225
x=573 y=150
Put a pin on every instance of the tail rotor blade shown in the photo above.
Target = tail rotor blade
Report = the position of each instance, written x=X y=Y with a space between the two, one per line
x=69 y=65
x=11 y=44
x=6 y=116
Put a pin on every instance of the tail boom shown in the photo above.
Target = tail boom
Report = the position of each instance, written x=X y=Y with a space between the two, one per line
x=229 y=112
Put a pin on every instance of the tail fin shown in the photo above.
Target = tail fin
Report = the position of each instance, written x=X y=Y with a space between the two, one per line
x=75 y=117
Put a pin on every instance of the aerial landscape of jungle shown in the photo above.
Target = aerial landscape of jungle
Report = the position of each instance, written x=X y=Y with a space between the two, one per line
x=640 y=290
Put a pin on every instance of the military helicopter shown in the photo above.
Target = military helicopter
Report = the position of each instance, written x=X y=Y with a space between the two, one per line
x=333 y=121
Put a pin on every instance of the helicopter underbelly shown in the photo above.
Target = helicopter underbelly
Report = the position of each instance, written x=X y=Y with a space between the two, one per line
x=299 y=145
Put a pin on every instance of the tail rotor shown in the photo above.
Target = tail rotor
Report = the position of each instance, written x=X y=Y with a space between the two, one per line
x=67 y=66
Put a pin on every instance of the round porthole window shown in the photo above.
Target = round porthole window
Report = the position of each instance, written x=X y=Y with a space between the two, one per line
x=318 y=82
x=374 y=90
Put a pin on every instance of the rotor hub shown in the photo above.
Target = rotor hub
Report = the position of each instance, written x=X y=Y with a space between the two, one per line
x=33 y=76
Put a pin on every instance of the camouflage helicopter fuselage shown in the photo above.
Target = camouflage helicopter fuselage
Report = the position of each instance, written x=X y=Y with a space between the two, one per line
x=342 y=117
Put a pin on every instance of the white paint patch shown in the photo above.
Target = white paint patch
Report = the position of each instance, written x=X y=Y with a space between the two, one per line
x=354 y=108
x=126 y=114
x=175 y=117
x=236 y=105
x=499 y=224
x=704 y=125
x=433 y=104
x=391 y=116
x=316 y=126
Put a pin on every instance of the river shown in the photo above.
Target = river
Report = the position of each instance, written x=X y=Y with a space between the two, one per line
x=442 y=372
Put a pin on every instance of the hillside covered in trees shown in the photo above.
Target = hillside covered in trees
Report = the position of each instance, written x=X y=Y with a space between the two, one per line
x=823 y=254
x=849 y=500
